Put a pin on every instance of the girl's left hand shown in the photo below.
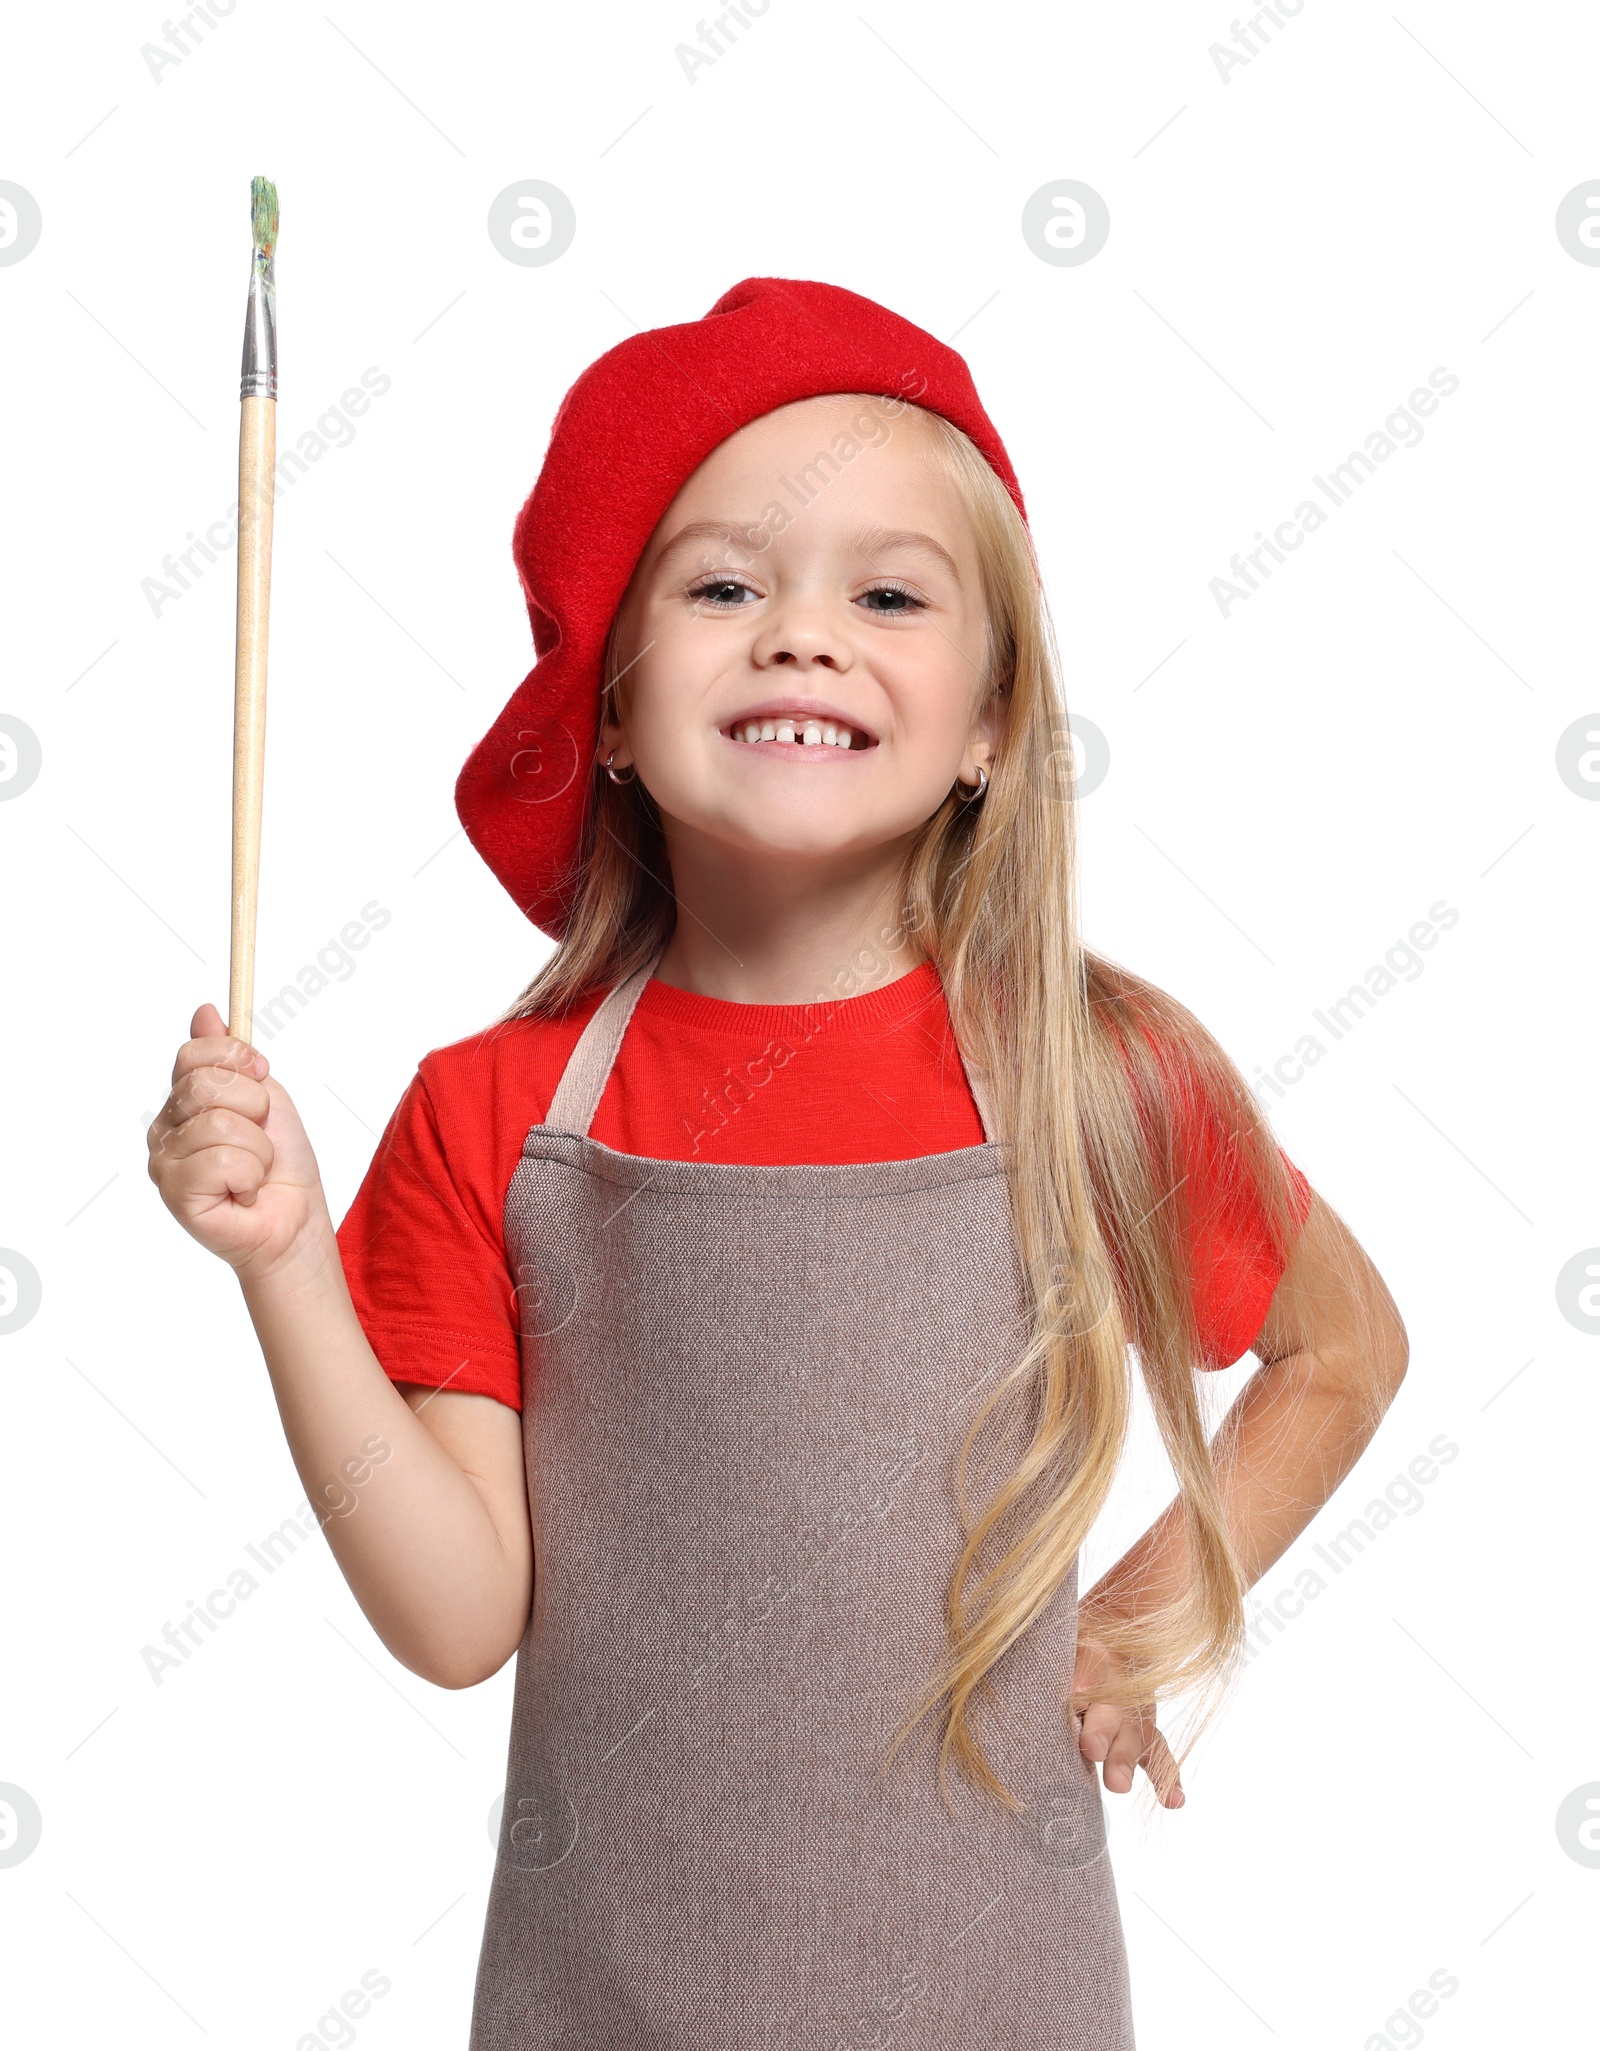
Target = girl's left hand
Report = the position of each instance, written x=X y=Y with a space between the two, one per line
x=1117 y=1739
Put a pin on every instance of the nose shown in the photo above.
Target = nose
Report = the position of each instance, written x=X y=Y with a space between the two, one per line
x=800 y=637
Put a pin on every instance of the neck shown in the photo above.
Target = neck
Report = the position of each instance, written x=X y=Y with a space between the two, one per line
x=774 y=934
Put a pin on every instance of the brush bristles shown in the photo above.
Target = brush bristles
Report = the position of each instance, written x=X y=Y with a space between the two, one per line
x=264 y=217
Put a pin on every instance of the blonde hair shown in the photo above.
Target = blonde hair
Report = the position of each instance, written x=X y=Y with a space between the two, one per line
x=1082 y=1061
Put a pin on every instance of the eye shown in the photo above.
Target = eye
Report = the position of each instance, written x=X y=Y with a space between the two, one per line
x=905 y=601
x=721 y=593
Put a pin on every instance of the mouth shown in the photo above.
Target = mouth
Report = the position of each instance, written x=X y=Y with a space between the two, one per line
x=799 y=726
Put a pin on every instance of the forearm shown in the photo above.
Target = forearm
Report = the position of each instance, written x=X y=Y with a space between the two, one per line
x=413 y=1536
x=1296 y=1430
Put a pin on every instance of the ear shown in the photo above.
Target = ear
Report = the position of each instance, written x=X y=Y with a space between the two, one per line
x=985 y=737
x=613 y=709
x=610 y=734
x=610 y=739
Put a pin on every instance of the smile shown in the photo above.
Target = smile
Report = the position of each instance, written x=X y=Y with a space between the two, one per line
x=805 y=730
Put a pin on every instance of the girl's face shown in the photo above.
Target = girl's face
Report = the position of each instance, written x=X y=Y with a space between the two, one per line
x=816 y=575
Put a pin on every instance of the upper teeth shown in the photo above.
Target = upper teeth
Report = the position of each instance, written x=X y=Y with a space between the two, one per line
x=809 y=732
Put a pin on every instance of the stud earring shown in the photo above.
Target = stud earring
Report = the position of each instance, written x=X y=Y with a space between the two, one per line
x=632 y=772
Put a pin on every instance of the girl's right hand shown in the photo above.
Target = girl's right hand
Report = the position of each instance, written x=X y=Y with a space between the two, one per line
x=1114 y=1737
x=230 y=1156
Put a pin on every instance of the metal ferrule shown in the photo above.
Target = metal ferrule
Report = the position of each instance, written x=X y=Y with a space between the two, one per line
x=259 y=373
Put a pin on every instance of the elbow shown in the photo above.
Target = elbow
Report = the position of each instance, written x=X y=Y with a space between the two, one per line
x=1392 y=1356
x=455 y=1674
x=1370 y=1372
x=1387 y=1373
x=457 y=1678
x=1374 y=1338
x=1360 y=1359
x=455 y=1666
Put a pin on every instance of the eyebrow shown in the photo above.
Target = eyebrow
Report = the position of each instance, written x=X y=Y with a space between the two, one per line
x=707 y=530
x=871 y=539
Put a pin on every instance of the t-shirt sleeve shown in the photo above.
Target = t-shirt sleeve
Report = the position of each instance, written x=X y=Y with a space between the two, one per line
x=423 y=1253
x=1234 y=1265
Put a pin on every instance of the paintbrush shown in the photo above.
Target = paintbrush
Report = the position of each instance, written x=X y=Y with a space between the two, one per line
x=258 y=448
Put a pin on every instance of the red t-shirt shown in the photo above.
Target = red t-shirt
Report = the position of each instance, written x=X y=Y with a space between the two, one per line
x=876 y=1077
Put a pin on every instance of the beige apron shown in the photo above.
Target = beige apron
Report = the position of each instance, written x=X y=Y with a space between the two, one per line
x=742 y=1388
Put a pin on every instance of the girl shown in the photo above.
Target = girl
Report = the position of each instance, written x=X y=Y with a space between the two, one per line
x=820 y=1170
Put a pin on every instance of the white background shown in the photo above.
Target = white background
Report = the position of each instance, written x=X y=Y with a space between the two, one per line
x=1291 y=788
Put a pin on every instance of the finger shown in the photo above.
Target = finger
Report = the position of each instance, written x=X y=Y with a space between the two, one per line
x=1097 y=1729
x=174 y=1133
x=222 y=1079
x=211 y=1044
x=1122 y=1756
x=215 y=1084
x=1159 y=1763
x=211 y=1175
x=217 y=1126
x=1105 y=1740
x=209 y=1021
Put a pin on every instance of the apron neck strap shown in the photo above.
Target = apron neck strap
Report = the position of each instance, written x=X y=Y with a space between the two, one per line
x=980 y=1097
x=577 y=1096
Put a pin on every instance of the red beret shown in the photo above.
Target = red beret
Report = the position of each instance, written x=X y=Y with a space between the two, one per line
x=628 y=436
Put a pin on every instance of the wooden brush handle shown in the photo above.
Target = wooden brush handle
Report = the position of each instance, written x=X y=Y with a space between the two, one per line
x=258 y=441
